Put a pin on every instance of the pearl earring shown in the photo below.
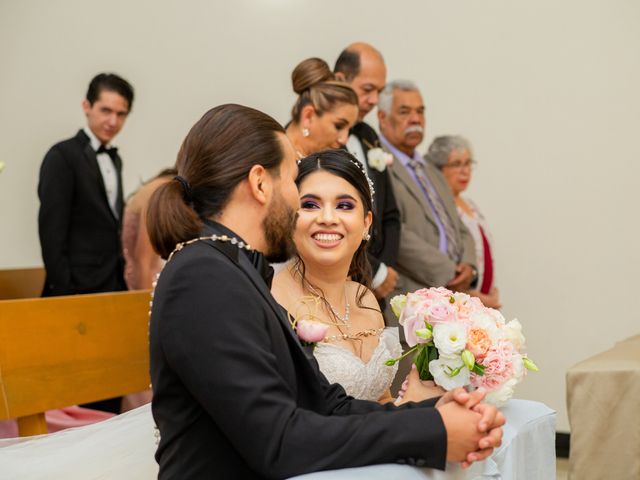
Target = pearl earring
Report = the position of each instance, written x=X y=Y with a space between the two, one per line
x=366 y=237
x=305 y=132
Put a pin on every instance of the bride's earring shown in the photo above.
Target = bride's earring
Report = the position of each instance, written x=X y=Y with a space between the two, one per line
x=305 y=132
x=366 y=236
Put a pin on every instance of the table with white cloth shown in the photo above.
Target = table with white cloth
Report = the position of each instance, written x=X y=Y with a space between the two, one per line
x=603 y=403
x=123 y=447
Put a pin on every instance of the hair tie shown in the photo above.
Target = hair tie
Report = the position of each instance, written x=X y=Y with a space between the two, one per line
x=187 y=191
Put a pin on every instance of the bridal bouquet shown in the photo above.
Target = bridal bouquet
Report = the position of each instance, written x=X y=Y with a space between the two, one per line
x=458 y=342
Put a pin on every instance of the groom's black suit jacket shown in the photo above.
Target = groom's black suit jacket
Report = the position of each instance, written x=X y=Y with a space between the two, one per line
x=235 y=396
x=79 y=233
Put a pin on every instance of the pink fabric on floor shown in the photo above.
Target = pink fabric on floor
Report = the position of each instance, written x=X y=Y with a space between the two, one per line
x=73 y=416
x=59 y=419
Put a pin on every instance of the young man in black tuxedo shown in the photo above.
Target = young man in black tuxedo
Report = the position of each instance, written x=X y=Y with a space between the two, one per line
x=363 y=67
x=81 y=201
x=235 y=395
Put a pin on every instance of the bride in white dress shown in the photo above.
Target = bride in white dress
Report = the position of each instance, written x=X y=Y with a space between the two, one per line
x=327 y=281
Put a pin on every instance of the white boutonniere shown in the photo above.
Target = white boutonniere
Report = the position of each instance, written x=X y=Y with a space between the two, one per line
x=379 y=159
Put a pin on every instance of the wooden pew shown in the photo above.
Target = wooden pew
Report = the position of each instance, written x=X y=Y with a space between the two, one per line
x=21 y=283
x=62 y=351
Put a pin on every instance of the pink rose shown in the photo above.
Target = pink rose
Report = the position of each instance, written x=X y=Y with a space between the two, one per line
x=410 y=325
x=498 y=367
x=440 y=293
x=430 y=294
x=311 y=331
x=441 y=312
x=478 y=343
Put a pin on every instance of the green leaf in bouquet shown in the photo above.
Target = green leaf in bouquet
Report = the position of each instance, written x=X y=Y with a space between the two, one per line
x=422 y=362
x=478 y=369
x=433 y=353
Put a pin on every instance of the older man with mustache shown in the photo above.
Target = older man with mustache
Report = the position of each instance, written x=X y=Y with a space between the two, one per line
x=436 y=249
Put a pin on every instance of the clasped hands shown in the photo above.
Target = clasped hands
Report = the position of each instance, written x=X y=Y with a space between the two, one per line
x=474 y=428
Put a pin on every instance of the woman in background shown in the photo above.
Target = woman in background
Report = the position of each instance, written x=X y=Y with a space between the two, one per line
x=452 y=155
x=325 y=109
x=142 y=263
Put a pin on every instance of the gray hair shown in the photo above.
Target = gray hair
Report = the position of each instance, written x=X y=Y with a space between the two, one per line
x=441 y=148
x=386 y=95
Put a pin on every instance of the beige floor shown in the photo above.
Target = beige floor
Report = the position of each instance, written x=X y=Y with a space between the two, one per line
x=562 y=468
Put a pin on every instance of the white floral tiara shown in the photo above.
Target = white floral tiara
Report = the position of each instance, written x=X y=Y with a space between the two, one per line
x=361 y=167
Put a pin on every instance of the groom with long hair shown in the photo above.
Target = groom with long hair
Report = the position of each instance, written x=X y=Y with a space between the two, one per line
x=235 y=396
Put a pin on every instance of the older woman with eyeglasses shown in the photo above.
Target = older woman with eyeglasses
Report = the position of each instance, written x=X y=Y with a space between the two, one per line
x=452 y=155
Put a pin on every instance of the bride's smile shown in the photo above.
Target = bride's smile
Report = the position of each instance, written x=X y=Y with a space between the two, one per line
x=331 y=220
x=327 y=239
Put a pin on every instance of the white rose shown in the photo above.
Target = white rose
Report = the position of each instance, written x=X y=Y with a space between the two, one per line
x=379 y=159
x=398 y=303
x=450 y=338
x=497 y=316
x=441 y=369
x=483 y=320
x=512 y=332
x=461 y=297
x=500 y=396
x=518 y=366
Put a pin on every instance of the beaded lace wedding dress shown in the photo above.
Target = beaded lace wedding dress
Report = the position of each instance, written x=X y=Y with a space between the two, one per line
x=364 y=381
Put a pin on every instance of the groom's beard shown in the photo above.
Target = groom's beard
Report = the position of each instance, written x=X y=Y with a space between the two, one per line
x=279 y=226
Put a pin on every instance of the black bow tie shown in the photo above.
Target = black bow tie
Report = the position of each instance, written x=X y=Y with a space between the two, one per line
x=111 y=151
x=262 y=265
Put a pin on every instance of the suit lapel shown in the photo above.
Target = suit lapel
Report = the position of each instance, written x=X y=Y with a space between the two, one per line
x=400 y=173
x=250 y=271
x=117 y=162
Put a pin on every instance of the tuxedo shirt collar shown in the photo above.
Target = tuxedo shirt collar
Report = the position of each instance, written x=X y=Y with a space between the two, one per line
x=93 y=140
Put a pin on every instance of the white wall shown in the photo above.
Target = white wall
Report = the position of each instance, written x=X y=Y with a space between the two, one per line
x=547 y=92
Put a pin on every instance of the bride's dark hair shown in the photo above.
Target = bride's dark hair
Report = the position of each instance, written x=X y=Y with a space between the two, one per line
x=344 y=165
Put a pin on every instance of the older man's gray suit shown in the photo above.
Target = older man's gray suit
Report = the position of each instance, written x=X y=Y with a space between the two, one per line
x=420 y=262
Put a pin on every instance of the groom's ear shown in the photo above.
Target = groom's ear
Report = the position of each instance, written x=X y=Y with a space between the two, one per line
x=260 y=184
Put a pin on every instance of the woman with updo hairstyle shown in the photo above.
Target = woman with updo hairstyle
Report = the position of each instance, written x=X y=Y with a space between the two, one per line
x=329 y=279
x=325 y=110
